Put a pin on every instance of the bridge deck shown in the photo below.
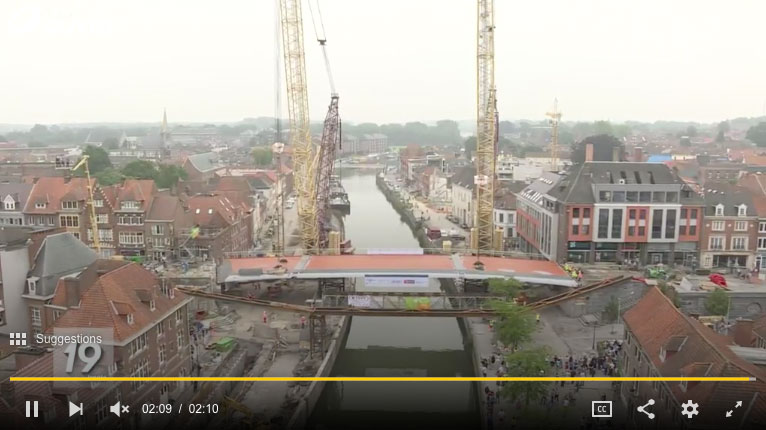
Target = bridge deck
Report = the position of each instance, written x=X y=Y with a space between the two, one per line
x=433 y=266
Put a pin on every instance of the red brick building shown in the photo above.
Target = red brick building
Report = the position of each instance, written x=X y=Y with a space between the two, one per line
x=224 y=226
x=150 y=327
x=661 y=341
x=730 y=230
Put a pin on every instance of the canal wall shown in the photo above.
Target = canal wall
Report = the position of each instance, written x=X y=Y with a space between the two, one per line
x=405 y=214
x=308 y=401
x=743 y=304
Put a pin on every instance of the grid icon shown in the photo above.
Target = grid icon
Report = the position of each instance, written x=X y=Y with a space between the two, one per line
x=18 y=339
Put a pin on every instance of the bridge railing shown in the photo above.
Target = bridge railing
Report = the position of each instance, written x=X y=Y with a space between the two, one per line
x=389 y=251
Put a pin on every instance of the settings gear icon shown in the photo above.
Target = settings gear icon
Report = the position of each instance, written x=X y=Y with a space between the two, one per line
x=689 y=409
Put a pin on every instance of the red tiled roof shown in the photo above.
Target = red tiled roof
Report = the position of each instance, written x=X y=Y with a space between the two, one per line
x=759 y=326
x=116 y=293
x=756 y=184
x=233 y=183
x=656 y=323
x=52 y=190
x=164 y=208
x=213 y=210
x=141 y=190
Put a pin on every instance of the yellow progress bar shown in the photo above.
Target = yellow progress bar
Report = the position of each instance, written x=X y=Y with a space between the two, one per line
x=373 y=379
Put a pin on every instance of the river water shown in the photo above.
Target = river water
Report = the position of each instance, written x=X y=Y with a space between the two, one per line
x=386 y=346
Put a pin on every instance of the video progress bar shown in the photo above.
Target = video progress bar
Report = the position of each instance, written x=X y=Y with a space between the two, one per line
x=373 y=379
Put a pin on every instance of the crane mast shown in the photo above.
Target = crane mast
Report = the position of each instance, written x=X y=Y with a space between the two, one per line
x=327 y=151
x=92 y=211
x=555 y=117
x=486 y=128
x=304 y=156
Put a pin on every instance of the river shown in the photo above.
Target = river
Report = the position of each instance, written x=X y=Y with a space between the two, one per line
x=385 y=346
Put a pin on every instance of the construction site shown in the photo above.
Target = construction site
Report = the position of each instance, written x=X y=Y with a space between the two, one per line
x=290 y=313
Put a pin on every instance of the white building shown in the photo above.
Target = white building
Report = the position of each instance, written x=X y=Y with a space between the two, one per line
x=463 y=195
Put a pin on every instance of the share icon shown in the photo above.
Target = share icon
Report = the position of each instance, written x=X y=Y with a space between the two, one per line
x=643 y=409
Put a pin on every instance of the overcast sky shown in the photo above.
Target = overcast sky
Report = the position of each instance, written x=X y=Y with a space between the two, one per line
x=393 y=60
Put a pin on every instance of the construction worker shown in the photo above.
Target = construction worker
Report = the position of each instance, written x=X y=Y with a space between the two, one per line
x=265 y=317
x=538 y=319
x=303 y=321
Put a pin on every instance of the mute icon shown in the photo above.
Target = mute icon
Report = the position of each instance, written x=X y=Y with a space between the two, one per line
x=117 y=408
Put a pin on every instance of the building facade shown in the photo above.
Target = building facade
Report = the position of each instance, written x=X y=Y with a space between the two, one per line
x=463 y=196
x=730 y=232
x=150 y=323
x=660 y=341
x=14 y=198
x=611 y=212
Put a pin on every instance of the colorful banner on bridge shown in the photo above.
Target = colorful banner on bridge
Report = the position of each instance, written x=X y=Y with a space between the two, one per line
x=417 y=303
x=360 y=301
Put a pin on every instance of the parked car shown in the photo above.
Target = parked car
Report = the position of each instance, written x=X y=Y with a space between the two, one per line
x=433 y=233
x=464 y=225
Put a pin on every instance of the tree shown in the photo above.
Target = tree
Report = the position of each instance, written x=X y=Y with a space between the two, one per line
x=685 y=141
x=516 y=323
x=98 y=159
x=447 y=132
x=140 y=169
x=670 y=293
x=621 y=130
x=724 y=126
x=262 y=156
x=611 y=310
x=508 y=288
x=691 y=131
x=367 y=128
x=604 y=146
x=720 y=137
x=168 y=175
x=527 y=363
x=717 y=303
x=2 y=138
x=39 y=130
x=470 y=146
x=757 y=134
x=109 y=176
x=110 y=143
x=506 y=127
x=603 y=127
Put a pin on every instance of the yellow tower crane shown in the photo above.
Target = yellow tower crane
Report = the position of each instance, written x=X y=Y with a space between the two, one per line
x=93 y=220
x=486 y=130
x=305 y=156
x=555 y=117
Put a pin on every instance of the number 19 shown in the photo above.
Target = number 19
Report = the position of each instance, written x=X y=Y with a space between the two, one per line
x=81 y=351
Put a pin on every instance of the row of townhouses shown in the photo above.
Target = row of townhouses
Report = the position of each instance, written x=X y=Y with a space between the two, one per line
x=644 y=213
x=134 y=218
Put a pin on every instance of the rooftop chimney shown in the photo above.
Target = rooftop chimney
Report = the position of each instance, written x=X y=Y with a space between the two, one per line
x=588 y=152
x=743 y=332
x=638 y=155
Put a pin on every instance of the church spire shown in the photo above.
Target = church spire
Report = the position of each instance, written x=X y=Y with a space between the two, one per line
x=164 y=129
